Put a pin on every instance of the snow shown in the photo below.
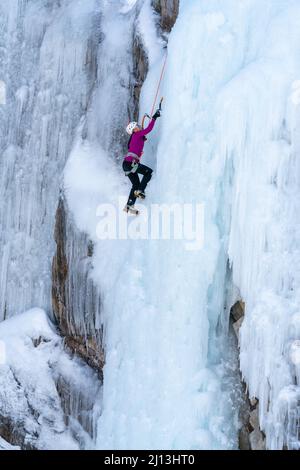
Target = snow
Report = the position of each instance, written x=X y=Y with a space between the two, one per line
x=100 y=182
x=127 y=5
x=228 y=139
x=6 y=446
x=33 y=365
x=160 y=388
x=236 y=150
x=2 y=93
x=264 y=231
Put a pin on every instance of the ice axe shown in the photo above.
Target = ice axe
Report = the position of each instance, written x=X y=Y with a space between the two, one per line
x=150 y=117
x=160 y=103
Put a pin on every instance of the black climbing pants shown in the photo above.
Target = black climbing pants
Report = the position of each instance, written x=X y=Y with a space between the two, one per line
x=135 y=180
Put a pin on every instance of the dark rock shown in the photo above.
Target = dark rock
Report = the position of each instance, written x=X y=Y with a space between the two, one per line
x=253 y=403
x=250 y=435
x=14 y=433
x=236 y=327
x=140 y=70
x=257 y=440
x=168 y=11
x=244 y=441
x=238 y=310
x=76 y=300
x=89 y=349
x=237 y=313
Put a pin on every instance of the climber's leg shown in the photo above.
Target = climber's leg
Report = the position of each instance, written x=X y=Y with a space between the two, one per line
x=135 y=181
x=147 y=175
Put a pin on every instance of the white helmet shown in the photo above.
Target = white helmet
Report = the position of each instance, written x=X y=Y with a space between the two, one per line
x=131 y=126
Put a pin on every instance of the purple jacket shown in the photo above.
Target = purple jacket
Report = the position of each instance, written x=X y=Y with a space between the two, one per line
x=137 y=142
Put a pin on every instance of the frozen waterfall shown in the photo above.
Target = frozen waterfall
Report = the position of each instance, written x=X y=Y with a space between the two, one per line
x=228 y=140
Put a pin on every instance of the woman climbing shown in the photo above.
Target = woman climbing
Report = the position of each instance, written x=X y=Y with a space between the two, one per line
x=131 y=164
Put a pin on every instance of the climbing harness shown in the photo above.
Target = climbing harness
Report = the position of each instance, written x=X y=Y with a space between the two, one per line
x=134 y=165
x=133 y=155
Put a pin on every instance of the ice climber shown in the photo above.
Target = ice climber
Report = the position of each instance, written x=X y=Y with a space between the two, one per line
x=131 y=164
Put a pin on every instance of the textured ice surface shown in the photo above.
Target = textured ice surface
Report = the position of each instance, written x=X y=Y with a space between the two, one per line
x=6 y=446
x=161 y=304
x=228 y=138
x=46 y=62
x=33 y=369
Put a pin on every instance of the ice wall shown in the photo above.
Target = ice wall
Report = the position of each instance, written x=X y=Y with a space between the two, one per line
x=161 y=390
x=47 y=399
x=47 y=60
x=72 y=74
x=99 y=143
x=230 y=139
x=264 y=233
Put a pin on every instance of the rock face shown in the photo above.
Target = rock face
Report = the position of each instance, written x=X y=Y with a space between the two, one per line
x=168 y=11
x=140 y=70
x=13 y=433
x=6 y=446
x=237 y=315
x=250 y=437
x=77 y=315
x=48 y=399
x=50 y=72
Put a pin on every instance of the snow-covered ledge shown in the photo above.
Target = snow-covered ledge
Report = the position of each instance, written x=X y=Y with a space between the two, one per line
x=36 y=378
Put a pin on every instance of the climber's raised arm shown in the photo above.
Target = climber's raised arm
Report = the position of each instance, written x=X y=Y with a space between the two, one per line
x=150 y=126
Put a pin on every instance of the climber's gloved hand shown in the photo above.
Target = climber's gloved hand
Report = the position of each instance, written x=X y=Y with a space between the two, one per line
x=157 y=114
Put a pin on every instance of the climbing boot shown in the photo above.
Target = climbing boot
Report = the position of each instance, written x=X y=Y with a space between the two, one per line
x=131 y=210
x=139 y=194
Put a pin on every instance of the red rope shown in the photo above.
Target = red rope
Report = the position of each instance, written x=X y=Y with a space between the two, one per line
x=157 y=91
x=159 y=83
